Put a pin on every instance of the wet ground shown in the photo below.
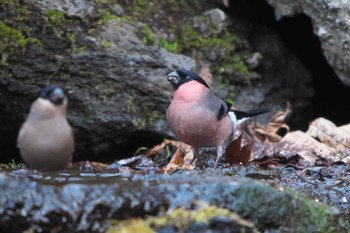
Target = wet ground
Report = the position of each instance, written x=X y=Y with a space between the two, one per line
x=136 y=187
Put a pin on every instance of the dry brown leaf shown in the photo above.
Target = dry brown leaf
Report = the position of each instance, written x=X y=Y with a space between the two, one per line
x=299 y=147
x=265 y=136
x=233 y=150
x=158 y=148
x=239 y=150
x=178 y=157
x=329 y=134
x=269 y=134
x=307 y=147
x=246 y=151
x=177 y=162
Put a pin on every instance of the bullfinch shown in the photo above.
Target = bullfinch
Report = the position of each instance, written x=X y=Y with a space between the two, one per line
x=45 y=139
x=198 y=117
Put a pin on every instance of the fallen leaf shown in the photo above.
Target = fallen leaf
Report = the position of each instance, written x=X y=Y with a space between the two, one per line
x=329 y=134
x=158 y=148
x=233 y=150
x=239 y=150
x=298 y=147
x=177 y=162
x=269 y=134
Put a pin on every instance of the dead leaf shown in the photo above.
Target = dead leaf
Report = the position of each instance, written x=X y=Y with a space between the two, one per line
x=246 y=151
x=296 y=146
x=158 y=148
x=269 y=134
x=177 y=162
x=240 y=149
x=233 y=150
x=329 y=134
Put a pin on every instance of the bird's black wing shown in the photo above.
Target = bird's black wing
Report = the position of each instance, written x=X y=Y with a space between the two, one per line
x=223 y=110
x=242 y=114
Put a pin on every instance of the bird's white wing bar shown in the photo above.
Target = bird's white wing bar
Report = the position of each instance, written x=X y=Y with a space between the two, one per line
x=236 y=121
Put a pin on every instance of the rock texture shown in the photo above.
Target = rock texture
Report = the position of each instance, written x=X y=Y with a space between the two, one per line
x=112 y=65
x=331 y=22
x=86 y=204
x=116 y=85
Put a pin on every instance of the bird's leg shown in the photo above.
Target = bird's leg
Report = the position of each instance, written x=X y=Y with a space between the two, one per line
x=195 y=154
x=219 y=151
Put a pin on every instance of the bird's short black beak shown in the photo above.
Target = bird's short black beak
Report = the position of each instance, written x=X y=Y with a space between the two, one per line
x=57 y=96
x=173 y=78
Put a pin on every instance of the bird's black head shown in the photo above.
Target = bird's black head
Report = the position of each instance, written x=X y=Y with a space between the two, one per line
x=52 y=93
x=182 y=76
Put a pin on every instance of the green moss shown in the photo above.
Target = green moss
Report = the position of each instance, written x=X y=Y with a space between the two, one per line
x=149 y=37
x=10 y=5
x=140 y=6
x=143 y=8
x=189 y=41
x=180 y=218
x=23 y=13
x=107 y=91
x=56 y=20
x=172 y=47
x=239 y=65
x=12 y=41
x=290 y=209
x=143 y=116
x=54 y=17
x=106 y=17
x=108 y=44
x=73 y=39
x=130 y=226
x=79 y=50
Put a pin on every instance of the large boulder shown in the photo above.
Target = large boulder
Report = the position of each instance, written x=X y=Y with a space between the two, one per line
x=112 y=59
x=330 y=20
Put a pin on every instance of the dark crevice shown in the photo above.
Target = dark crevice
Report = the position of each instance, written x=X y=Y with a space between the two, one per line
x=125 y=147
x=331 y=96
x=137 y=139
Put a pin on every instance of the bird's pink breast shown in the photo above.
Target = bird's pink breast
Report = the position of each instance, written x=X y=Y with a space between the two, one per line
x=192 y=123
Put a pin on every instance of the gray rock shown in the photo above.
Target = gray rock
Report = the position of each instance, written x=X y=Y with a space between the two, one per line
x=115 y=81
x=283 y=79
x=331 y=21
x=86 y=202
x=77 y=8
x=116 y=86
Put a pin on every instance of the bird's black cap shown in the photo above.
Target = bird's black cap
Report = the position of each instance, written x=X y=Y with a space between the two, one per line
x=52 y=93
x=182 y=76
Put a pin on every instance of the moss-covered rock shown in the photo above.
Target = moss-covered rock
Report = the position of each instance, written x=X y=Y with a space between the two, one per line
x=92 y=203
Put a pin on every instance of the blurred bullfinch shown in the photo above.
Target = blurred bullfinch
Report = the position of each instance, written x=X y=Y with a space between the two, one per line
x=45 y=139
x=198 y=117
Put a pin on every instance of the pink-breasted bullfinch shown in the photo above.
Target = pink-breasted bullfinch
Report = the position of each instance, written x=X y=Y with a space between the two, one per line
x=198 y=117
x=45 y=139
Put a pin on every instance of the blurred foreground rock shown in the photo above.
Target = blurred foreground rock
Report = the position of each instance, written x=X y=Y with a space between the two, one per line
x=82 y=203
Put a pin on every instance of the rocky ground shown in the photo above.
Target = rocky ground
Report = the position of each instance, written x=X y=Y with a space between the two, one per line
x=111 y=58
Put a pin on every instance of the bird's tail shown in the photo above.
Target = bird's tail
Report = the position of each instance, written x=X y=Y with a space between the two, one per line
x=251 y=113
x=241 y=116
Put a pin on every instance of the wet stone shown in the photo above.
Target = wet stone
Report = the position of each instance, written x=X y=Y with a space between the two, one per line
x=86 y=202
